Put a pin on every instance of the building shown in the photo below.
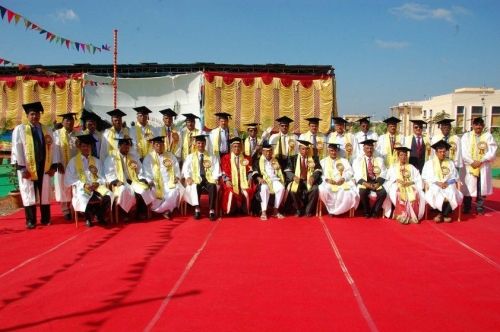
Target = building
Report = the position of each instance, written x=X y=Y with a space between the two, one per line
x=462 y=105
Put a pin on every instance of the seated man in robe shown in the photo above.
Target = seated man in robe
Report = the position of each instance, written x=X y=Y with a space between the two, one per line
x=304 y=173
x=369 y=174
x=201 y=171
x=122 y=171
x=161 y=170
x=404 y=186
x=271 y=182
x=237 y=189
x=85 y=174
x=441 y=178
x=338 y=190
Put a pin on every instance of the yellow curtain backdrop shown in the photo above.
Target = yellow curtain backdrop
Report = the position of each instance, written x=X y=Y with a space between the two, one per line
x=264 y=94
x=57 y=98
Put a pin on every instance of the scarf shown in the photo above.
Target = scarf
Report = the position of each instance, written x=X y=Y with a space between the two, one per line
x=377 y=169
x=30 y=152
x=188 y=143
x=404 y=174
x=441 y=169
x=64 y=138
x=242 y=176
x=143 y=146
x=170 y=144
x=391 y=156
x=131 y=165
x=291 y=146
x=247 y=147
x=477 y=151
x=93 y=170
x=157 y=177
x=310 y=170
x=111 y=138
x=267 y=178
x=334 y=168
x=207 y=164
x=348 y=143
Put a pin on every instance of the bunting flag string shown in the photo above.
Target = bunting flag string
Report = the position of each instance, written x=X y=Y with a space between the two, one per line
x=49 y=36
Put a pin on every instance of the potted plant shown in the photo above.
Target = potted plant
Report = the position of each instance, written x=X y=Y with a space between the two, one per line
x=15 y=194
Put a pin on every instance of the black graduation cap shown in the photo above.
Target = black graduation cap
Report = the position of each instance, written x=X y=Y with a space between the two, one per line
x=252 y=125
x=402 y=149
x=284 y=119
x=392 y=120
x=68 y=116
x=159 y=139
x=478 y=120
x=116 y=112
x=201 y=137
x=305 y=143
x=266 y=146
x=334 y=146
x=313 y=120
x=419 y=122
x=445 y=121
x=142 y=110
x=368 y=142
x=190 y=116
x=441 y=144
x=86 y=139
x=223 y=115
x=86 y=116
x=124 y=140
x=235 y=140
x=36 y=107
x=168 y=112
x=364 y=119
x=339 y=120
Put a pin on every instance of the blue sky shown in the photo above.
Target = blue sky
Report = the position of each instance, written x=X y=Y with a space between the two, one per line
x=383 y=52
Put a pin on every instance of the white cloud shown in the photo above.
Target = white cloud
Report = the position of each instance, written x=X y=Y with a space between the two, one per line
x=420 y=12
x=65 y=15
x=395 y=45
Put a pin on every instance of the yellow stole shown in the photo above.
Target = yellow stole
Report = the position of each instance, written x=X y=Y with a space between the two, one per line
x=30 y=151
x=453 y=140
x=320 y=142
x=131 y=169
x=477 y=151
x=170 y=145
x=111 y=138
x=391 y=156
x=404 y=174
x=242 y=173
x=348 y=143
x=93 y=170
x=276 y=166
x=158 y=179
x=246 y=147
x=291 y=145
x=188 y=143
x=310 y=170
x=441 y=169
x=143 y=145
x=376 y=169
x=332 y=167
x=195 y=164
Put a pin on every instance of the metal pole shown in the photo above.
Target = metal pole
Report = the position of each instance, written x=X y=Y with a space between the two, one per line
x=115 y=62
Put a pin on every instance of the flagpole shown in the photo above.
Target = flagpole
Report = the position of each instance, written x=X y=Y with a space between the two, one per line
x=115 y=61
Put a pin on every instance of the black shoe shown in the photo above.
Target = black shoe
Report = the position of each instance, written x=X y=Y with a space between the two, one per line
x=466 y=211
x=45 y=223
x=211 y=216
x=89 y=223
x=480 y=211
x=309 y=215
x=30 y=225
x=367 y=216
x=67 y=216
x=197 y=215
x=299 y=213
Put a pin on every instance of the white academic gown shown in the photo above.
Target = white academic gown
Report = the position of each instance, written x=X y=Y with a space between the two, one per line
x=170 y=146
x=125 y=193
x=18 y=155
x=291 y=146
x=343 y=140
x=191 y=193
x=185 y=135
x=321 y=140
x=62 y=191
x=391 y=186
x=265 y=191
x=361 y=137
x=470 y=181
x=338 y=199
x=145 y=137
x=384 y=139
x=212 y=137
x=171 y=196
x=72 y=179
x=435 y=195
x=108 y=144
x=457 y=157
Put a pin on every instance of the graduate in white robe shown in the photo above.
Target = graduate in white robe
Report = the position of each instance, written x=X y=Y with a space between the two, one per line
x=123 y=171
x=85 y=176
x=338 y=190
x=284 y=143
x=34 y=155
x=161 y=170
x=478 y=150
x=218 y=144
x=348 y=145
x=455 y=152
x=111 y=135
x=252 y=145
x=171 y=134
x=318 y=140
x=404 y=187
x=141 y=133
x=271 y=181
x=441 y=179
x=388 y=141
x=365 y=133
x=188 y=143
x=201 y=171
x=90 y=121
x=65 y=141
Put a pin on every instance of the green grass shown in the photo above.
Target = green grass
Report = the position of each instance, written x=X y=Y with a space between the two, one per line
x=5 y=186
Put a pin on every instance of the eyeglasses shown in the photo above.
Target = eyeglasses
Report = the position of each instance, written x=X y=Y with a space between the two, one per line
x=418 y=127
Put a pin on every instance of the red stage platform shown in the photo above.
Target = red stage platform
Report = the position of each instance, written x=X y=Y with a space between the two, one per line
x=242 y=274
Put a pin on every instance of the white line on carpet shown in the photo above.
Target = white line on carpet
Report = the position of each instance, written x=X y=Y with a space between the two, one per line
x=40 y=255
x=474 y=251
x=179 y=281
x=350 y=280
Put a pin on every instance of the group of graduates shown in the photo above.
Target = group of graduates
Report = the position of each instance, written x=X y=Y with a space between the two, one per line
x=144 y=168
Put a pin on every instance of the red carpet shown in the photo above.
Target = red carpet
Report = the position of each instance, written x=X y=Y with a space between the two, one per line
x=241 y=274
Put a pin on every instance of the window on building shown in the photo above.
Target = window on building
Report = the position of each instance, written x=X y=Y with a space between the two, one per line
x=476 y=111
x=460 y=116
x=495 y=116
